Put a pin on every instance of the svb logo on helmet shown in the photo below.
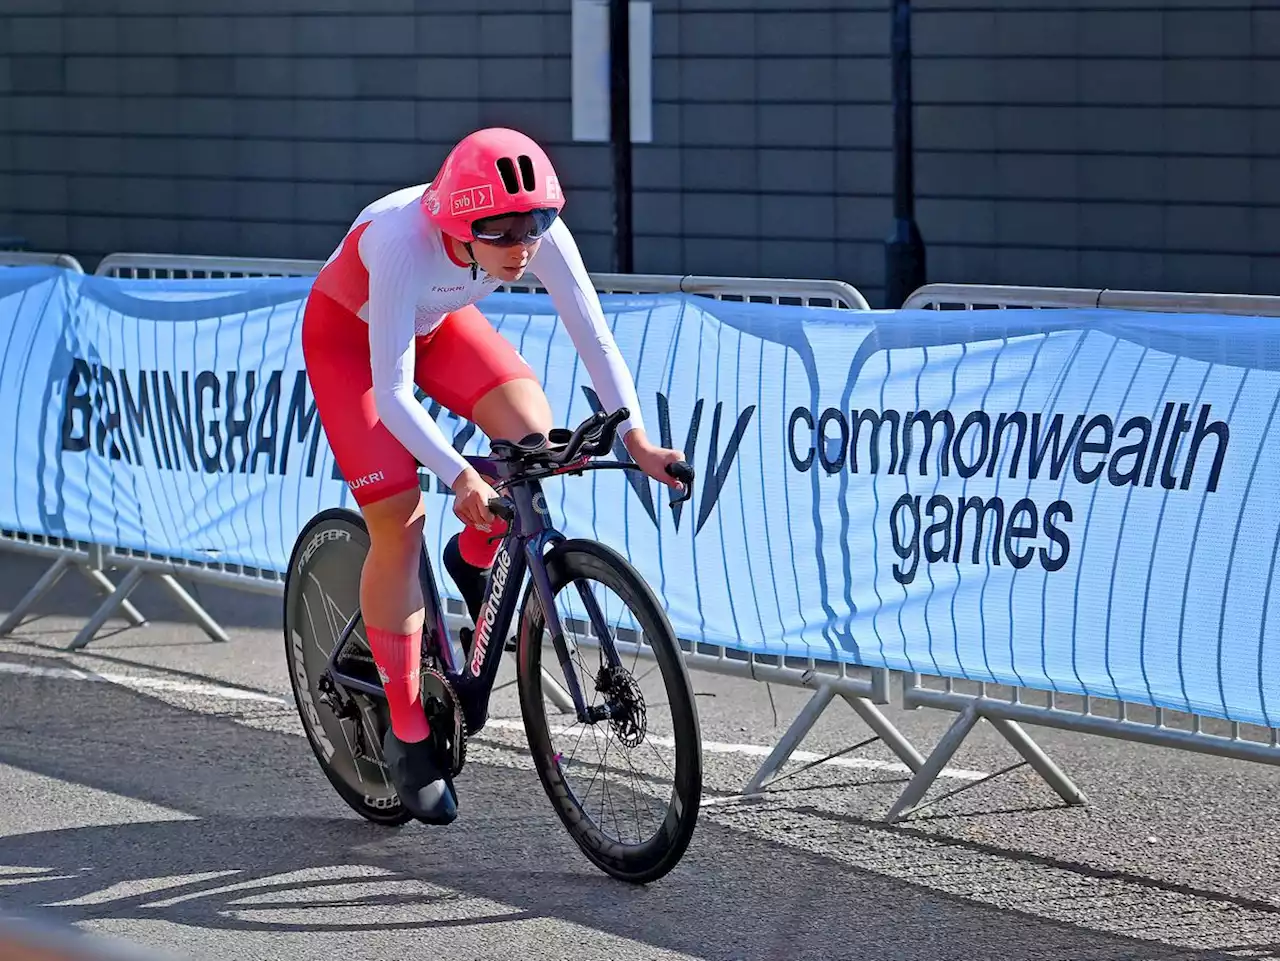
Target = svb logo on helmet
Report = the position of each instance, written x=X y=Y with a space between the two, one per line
x=471 y=199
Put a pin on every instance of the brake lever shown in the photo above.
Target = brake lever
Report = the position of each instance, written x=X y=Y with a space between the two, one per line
x=503 y=507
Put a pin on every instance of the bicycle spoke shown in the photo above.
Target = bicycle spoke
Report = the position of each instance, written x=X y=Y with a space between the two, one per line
x=605 y=781
x=593 y=777
x=648 y=672
x=626 y=757
x=654 y=748
x=574 y=754
x=577 y=648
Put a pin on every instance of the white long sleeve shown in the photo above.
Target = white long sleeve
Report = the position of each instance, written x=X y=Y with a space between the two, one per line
x=558 y=264
x=392 y=314
x=398 y=276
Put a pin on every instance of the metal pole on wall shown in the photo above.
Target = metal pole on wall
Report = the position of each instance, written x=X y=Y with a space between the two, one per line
x=620 y=130
x=904 y=251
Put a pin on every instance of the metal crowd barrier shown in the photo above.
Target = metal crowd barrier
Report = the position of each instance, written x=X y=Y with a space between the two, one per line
x=89 y=559
x=32 y=258
x=1004 y=707
x=862 y=689
x=808 y=293
x=828 y=680
x=996 y=297
x=773 y=290
x=179 y=267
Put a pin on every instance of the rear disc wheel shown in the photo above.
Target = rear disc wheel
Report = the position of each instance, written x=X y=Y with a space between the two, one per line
x=322 y=591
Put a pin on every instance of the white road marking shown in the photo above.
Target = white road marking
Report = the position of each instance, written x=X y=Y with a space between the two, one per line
x=759 y=750
x=238 y=694
x=142 y=683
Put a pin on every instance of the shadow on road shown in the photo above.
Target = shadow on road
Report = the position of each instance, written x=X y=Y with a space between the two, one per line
x=254 y=839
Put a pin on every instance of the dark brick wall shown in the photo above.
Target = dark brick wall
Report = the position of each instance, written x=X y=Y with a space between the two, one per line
x=1057 y=144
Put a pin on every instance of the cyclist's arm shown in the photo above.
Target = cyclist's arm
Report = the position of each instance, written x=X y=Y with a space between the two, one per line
x=393 y=283
x=558 y=264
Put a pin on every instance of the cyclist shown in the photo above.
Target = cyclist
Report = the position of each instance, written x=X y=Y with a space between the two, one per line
x=394 y=306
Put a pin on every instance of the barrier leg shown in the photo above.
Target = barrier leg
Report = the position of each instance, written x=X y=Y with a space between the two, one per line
x=104 y=584
x=211 y=627
x=924 y=778
x=556 y=693
x=108 y=607
x=892 y=737
x=32 y=597
x=1039 y=761
x=801 y=726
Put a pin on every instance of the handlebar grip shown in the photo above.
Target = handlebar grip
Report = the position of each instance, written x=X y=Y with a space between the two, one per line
x=683 y=472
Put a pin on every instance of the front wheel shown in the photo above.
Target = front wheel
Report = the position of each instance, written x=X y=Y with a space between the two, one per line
x=632 y=813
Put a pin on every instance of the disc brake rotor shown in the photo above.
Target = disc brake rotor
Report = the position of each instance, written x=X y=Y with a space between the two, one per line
x=627 y=715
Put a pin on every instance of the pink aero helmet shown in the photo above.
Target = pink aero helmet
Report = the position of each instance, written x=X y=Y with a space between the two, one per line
x=489 y=174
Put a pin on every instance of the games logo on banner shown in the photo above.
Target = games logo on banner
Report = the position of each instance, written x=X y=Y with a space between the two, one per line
x=1140 y=453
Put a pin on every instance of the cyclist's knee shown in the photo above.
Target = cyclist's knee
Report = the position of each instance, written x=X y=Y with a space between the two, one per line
x=514 y=409
x=395 y=525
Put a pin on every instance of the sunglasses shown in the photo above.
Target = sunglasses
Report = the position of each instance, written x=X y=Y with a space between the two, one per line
x=513 y=230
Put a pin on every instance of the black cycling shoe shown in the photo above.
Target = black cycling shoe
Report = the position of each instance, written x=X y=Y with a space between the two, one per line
x=469 y=579
x=424 y=789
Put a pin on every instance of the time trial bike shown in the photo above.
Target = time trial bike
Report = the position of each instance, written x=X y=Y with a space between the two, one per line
x=566 y=609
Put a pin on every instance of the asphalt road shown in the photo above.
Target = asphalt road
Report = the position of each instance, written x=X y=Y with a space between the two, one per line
x=157 y=788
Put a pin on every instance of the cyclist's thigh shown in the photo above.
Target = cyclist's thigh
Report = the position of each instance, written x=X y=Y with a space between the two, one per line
x=464 y=359
x=335 y=348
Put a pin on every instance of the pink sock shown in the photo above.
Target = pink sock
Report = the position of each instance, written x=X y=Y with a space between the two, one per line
x=399 y=657
x=474 y=546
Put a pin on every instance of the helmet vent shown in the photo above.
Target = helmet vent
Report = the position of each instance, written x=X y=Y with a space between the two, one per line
x=507 y=170
x=526 y=173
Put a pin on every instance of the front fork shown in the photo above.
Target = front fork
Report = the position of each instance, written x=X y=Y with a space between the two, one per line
x=565 y=648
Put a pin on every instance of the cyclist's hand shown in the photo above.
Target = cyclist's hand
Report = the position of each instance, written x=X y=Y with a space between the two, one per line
x=652 y=459
x=472 y=494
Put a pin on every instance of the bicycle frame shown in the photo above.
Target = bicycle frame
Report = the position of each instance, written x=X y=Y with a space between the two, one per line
x=521 y=552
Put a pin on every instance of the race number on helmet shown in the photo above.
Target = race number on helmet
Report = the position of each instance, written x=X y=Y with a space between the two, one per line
x=491 y=174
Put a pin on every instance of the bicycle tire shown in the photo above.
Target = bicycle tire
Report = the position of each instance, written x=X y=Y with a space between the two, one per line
x=329 y=527
x=651 y=860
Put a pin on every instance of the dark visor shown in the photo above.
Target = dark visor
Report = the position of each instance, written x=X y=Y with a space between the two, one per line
x=509 y=230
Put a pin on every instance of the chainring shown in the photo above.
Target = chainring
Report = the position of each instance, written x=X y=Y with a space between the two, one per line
x=444 y=714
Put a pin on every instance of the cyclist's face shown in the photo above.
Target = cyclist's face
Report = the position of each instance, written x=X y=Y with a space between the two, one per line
x=508 y=263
